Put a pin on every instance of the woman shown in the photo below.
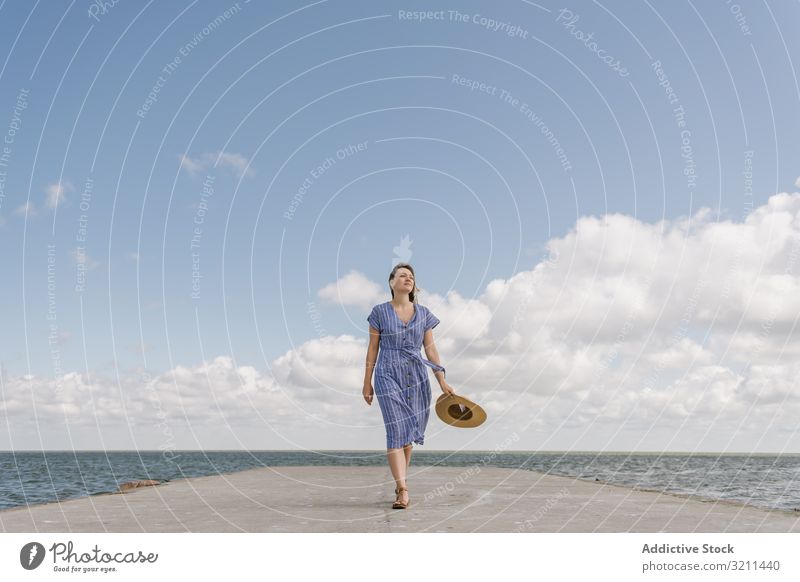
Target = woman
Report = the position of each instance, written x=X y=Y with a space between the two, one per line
x=397 y=328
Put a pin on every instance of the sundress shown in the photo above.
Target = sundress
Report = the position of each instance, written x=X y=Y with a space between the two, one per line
x=401 y=381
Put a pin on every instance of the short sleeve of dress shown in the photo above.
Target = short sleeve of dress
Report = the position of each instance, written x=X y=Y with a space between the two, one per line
x=374 y=318
x=431 y=320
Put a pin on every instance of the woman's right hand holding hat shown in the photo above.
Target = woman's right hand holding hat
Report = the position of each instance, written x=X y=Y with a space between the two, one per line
x=447 y=389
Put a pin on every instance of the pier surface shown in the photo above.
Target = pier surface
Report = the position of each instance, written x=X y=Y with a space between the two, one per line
x=358 y=499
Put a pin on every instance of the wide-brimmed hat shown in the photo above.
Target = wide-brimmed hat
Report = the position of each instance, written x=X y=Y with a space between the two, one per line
x=459 y=411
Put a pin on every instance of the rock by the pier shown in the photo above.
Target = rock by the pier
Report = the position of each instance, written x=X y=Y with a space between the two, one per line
x=135 y=484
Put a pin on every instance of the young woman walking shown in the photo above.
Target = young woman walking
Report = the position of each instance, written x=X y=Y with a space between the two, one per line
x=397 y=330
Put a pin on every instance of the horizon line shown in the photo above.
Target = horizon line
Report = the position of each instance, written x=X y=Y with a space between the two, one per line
x=548 y=451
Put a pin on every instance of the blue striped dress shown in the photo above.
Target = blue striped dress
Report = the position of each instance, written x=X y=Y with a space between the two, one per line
x=401 y=377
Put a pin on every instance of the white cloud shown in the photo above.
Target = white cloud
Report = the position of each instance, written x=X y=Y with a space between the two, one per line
x=353 y=289
x=237 y=163
x=56 y=193
x=191 y=166
x=677 y=334
x=27 y=209
x=630 y=323
x=797 y=182
x=466 y=318
x=215 y=391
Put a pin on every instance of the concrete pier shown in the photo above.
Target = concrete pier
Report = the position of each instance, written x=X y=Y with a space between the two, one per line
x=358 y=499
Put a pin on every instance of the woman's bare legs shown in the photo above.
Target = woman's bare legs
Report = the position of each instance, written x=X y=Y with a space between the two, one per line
x=399 y=460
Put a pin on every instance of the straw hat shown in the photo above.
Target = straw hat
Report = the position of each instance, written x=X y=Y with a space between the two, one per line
x=459 y=411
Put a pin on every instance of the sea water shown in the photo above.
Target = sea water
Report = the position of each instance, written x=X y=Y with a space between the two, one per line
x=761 y=480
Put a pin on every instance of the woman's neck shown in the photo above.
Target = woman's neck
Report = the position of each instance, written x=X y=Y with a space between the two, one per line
x=401 y=300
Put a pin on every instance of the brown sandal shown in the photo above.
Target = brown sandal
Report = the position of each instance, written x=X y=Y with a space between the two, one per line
x=399 y=504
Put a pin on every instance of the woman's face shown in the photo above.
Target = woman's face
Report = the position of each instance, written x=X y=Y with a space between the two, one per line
x=403 y=281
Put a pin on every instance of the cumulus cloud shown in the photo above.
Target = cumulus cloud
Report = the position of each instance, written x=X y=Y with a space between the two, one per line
x=677 y=334
x=237 y=163
x=353 y=289
x=214 y=391
x=634 y=325
x=308 y=391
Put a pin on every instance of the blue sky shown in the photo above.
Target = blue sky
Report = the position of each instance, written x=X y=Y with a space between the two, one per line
x=279 y=87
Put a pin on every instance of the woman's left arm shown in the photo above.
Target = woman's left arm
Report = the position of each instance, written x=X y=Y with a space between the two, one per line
x=432 y=354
